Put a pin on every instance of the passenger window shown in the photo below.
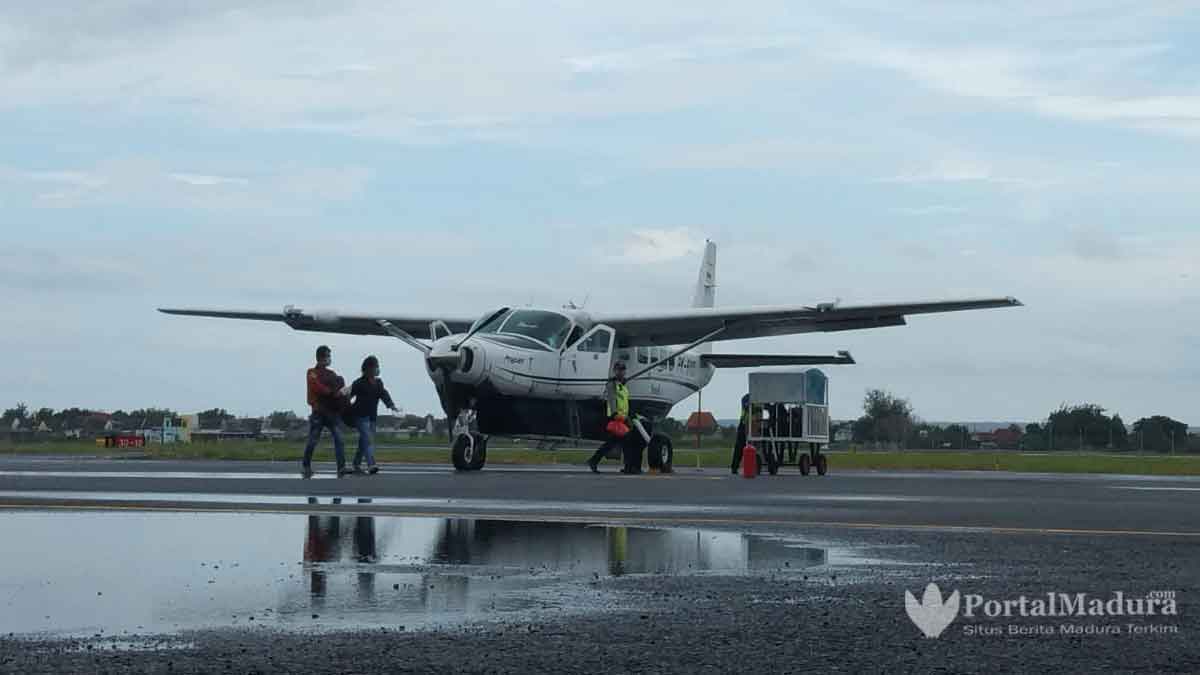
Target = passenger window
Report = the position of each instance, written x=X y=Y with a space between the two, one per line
x=596 y=342
x=643 y=354
x=576 y=333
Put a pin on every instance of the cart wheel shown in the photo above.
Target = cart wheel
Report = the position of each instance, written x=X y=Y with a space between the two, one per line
x=773 y=462
x=804 y=464
x=822 y=465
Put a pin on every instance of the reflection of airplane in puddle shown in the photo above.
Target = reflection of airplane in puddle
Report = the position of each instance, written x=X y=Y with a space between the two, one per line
x=439 y=566
x=582 y=549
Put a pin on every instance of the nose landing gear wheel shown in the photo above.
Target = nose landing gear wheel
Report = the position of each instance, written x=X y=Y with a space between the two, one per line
x=469 y=452
x=804 y=464
x=660 y=453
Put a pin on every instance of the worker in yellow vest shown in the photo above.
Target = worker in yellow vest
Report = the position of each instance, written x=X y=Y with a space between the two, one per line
x=740 y=438
x=616 y=404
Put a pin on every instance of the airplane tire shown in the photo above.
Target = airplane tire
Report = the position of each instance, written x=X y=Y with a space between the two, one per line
x=822 y=465
x=660 y=453
x=804 y=464
x=480 y=455
x=462 y=453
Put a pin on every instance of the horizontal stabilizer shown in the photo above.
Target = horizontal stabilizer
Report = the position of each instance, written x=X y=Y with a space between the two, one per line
x=758 y=360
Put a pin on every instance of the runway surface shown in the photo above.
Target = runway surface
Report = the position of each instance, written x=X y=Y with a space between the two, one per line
x=193 y=566
x=1125 y=505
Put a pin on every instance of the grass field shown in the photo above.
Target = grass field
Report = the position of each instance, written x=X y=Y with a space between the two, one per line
x=502 y=451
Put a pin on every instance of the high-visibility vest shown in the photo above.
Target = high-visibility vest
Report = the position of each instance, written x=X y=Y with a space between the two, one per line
x=621 y=394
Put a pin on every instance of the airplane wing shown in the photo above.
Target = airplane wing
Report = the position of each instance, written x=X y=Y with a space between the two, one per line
x=758 y=360
x=680 y=327
x=332 y=322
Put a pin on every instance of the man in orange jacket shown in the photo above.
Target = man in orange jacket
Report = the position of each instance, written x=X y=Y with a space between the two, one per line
x=327 y=396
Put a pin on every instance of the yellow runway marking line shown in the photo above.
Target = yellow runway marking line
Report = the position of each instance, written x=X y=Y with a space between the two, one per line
x=525 y=516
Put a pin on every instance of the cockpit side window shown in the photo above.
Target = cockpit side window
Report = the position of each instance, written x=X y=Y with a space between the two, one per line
x=598 y=342
x=576 y=333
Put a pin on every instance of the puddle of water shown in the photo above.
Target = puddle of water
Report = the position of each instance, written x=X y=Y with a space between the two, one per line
x=118 y=575
x=175 y=499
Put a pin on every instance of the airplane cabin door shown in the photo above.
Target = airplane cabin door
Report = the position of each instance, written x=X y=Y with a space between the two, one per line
x=586 y=364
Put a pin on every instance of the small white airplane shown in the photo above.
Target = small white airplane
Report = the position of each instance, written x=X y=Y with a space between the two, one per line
x=542 y=373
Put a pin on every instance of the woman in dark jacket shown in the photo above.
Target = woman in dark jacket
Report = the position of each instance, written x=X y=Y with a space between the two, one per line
x=366 y=392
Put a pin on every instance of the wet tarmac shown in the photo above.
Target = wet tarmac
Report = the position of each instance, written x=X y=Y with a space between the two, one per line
x=167 y=566
x=112 y=575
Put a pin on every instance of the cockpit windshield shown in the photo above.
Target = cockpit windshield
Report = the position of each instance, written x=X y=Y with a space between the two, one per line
x=493 y=325
x=548 y=327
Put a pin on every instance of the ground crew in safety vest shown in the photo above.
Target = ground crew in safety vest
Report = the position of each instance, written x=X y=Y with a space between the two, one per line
x=740 y=441
x=616 y=402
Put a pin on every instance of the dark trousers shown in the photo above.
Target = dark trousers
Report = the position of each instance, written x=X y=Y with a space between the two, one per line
x=602 y=451
x=631 y=451
x=316 y=423
x=738 y=444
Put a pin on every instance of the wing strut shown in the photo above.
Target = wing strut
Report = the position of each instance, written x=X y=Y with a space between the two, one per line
x=404 y=337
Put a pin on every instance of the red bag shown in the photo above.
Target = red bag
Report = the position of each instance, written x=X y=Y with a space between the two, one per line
x=617 y=428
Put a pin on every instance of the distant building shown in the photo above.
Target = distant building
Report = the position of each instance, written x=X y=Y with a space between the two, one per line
x=701 y=422
x=1005 y=438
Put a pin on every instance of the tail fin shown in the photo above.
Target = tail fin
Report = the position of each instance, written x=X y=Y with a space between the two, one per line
x=706 y=286
x=706 y=283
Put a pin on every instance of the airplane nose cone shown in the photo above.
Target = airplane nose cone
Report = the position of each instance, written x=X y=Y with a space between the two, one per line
x=443 y=356
x=450 y=360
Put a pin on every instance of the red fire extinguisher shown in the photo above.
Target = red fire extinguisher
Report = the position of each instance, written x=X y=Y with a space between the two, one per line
x=749 y=461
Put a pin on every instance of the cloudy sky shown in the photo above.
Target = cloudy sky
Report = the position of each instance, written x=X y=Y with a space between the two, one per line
x=453 y=157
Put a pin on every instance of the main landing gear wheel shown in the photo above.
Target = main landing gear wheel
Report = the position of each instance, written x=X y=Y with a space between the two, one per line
x=805 y=467
x=822 y=465
x=469 y=452
x=660 y=453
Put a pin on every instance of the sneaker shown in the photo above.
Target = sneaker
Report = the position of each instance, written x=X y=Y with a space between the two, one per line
x=306 y=471
x=343 y=471
x=373 y=470
x=592 y=466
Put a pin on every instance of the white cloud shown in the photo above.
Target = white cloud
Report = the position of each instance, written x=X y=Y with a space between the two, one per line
x=203 y=180
x=1102 y=82
x=930 y=210
x=956 y=170
x=660 y=245
x=142 y=181
x=779 y=153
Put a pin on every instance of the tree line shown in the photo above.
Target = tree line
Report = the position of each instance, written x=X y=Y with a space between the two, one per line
x=889 y=420
x=92 y=421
